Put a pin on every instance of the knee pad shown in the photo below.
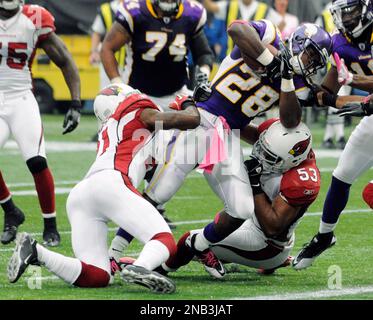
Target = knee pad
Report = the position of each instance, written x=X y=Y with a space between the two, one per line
x=37 y=164
x=368 y=194
x=168 y=240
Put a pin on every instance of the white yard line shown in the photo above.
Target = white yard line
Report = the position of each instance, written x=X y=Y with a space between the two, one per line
x=312 y=294
x=189 y=222
x=61 y=146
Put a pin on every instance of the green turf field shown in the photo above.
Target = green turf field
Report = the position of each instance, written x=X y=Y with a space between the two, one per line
x=195 y=201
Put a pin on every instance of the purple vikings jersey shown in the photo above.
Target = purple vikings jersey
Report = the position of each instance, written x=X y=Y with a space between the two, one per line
x=238 y=93
x=357 y=61
x=156 y=62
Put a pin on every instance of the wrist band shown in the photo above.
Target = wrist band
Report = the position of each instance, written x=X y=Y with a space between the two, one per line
x=265 y=58
x=116 y=80
x=329 y=100
x=257 y=190
x=76 y=104
x=287 y=85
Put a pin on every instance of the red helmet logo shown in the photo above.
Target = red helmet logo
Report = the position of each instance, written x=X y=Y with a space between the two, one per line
x=300 y=147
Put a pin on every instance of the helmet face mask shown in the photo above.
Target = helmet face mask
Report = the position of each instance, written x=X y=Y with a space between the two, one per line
x=352 y=17
x=168 y=8
x=279 y=149
x=310 y=47
x=10 y=5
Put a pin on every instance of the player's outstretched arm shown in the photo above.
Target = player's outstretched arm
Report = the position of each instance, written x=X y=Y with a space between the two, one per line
x=58 y=53
x=187 y=118
x=115 y=39
x=203 y=56
x=290 y=107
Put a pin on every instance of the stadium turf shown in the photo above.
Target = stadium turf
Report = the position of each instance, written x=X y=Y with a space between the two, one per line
x=195 y=201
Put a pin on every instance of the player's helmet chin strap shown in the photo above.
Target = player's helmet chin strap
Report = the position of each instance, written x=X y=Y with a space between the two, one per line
x=10 y=5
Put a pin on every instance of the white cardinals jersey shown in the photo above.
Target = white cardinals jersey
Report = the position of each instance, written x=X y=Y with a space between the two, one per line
x=19 y=38
x=123 y=140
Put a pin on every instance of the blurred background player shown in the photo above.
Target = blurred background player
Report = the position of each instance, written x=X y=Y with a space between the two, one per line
x=352 y=48
x=101 y=25
x=284 y=21
x=107 y=193
x=24 y=28
x=229 y=11
x=158 y=34
x=285 y=181
x=334 y=129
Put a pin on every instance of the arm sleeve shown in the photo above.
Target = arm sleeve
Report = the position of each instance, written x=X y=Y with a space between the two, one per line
x=124 y=18
x=266 y=30
x=42 y=19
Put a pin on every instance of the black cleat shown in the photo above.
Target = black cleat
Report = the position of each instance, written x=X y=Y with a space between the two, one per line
x=341 y=143
x=24 y=254
x=328 y=144
x=313 y=249
x=51 y=238
x=12 y=220
x=149 y=279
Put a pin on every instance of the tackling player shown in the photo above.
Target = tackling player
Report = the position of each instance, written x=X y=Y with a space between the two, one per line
x=23 y=29
x=108 y=193
x=239 y=94
x=285 y=181
x=352 y=48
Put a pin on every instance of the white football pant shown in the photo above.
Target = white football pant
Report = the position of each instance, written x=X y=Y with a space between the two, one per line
x=104 y=197
x=228 y=179
x=20 y=117
x=357 y=156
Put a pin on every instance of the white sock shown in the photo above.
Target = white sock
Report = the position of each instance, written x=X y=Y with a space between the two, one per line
x=329 y=132
x=118 y=245
x=201 y=243
x=152 y=255
x=68 y=269
x=327 y=227
x=339 y=131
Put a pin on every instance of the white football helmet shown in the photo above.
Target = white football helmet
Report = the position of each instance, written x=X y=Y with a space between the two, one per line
x=279 y=149
x=109 y=98
x=11 y=4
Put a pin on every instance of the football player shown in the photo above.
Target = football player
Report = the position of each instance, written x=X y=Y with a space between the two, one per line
x=23 y=29
x=238 y=94
x=158 y=34
x=285 y=181
x=107 y=193
x=352 y=48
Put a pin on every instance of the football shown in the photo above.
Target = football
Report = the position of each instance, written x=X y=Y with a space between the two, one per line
x=255 y=65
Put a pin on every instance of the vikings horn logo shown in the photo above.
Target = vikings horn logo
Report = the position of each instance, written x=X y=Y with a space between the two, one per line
x=300 y=147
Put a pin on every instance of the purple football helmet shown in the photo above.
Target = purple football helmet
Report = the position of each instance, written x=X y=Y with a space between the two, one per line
x=352 y=17
x=310 y=47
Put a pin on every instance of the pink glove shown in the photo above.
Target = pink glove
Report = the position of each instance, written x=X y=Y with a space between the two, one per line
x=345 y=77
